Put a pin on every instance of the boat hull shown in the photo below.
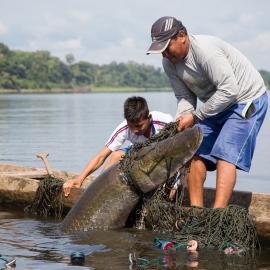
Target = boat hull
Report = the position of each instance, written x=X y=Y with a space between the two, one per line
x=19 y=184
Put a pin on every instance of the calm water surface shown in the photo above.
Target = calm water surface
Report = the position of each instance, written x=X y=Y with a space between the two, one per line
x=72 y=128
x=38 y=244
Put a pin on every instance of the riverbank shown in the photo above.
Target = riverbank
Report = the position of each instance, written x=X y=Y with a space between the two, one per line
x=100 y=89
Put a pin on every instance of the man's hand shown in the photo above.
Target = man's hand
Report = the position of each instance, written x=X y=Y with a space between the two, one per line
x=185 y=121
x=70 y=184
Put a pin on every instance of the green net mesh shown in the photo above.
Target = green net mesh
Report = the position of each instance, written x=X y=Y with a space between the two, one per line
x=214 y=228
x=158 y=212
x=211 y=227
x=126 y=162
x=48 y=198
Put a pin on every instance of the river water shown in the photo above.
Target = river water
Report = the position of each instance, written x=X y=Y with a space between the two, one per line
x=72 y=128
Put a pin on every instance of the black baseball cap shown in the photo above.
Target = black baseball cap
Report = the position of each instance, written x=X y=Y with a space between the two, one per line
x=162 y=31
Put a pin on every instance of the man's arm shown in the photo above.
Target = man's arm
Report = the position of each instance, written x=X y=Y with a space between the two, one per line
x=92 y=166
x=186 y=100
x=220 y=73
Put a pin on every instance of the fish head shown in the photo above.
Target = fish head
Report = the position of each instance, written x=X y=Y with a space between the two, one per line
x=155 y=163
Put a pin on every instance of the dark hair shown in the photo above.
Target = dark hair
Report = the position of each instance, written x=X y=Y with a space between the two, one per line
x=183 y=29
x=135 y=109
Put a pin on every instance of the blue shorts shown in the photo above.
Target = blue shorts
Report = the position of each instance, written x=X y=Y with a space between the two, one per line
x=231 y=135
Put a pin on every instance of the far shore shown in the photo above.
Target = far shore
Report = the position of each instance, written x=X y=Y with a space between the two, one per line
x=101 y=89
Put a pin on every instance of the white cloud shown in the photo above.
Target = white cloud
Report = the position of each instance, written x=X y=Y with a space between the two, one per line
x=259 y=43
x=58 y=48
x=80 y=16
x=3 y=29
x=248 y=18
x=128 y=43
x=257 y=49
x=50 y=24
x=71 y=44
x=262 y=42
x=119 y=30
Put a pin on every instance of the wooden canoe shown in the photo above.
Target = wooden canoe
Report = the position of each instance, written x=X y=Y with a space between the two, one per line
x=19 y=184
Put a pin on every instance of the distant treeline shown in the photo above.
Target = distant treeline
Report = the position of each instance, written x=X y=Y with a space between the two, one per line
x=40 y=70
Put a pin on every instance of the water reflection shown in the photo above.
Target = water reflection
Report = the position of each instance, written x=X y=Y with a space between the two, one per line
x=203 y=259
x=38 y=244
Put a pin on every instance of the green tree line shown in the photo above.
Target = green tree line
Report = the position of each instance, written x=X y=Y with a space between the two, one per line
x=41 y=70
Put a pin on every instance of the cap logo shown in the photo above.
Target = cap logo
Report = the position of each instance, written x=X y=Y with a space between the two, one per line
x=168 y=24
x=162 y=31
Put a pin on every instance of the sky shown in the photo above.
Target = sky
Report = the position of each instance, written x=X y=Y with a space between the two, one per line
x=119 y=30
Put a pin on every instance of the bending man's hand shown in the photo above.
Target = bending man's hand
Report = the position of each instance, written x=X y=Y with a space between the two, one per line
x=70 y=184
x=185 y=121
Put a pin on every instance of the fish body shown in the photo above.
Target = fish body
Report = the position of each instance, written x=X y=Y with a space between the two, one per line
x=108 y=201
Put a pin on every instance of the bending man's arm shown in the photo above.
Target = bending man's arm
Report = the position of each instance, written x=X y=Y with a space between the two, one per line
x=221 y=75
x=92 y=166
x=186 y=100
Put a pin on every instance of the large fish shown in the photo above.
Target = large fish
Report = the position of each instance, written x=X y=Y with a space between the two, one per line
x=108 y=201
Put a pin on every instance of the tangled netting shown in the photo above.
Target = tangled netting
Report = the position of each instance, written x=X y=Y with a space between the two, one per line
x=48 y=198
x=126 y=162
x=211 y=227
x=159 y=212
x=215 y=227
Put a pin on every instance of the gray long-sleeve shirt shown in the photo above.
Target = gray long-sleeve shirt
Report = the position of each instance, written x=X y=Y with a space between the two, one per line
x=215 y=72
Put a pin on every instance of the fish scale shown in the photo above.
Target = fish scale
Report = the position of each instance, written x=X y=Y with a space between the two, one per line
x=108 y=201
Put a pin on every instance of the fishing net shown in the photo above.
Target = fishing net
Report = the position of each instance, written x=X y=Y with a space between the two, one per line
x=126 y=162
x=48 y=198
x=211 y=227
x=159 y=212
x=219 y=227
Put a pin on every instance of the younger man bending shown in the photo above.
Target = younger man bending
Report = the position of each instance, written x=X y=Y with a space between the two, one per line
x=138 y=126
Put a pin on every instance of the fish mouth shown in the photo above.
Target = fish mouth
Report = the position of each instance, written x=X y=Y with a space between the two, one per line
x=200 y=136
x=192 y=139
x=160 y=160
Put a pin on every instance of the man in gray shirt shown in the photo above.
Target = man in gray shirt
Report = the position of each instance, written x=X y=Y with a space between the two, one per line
x=233 y=103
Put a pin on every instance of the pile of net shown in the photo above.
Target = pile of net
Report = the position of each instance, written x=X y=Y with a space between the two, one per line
x=210 y=227
x=214 y=228
x=218 y=227
x=48 y=200
x=158 y=211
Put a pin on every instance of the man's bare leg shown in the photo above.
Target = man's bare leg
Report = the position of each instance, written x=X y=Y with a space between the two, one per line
x=225 y=182
x=196 y=178
x=115 y=157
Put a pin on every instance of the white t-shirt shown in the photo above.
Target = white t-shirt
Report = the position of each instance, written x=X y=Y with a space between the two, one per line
x=122 y=133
